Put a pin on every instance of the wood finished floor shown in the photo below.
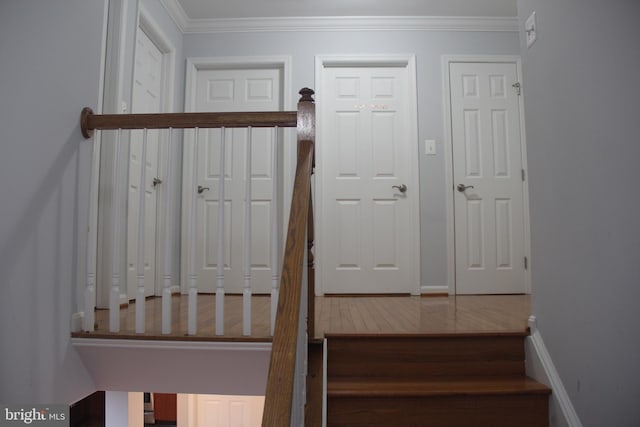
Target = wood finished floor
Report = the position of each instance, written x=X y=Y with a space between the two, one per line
x=334 y=315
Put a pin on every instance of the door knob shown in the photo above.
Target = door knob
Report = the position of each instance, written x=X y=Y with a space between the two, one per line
x=401 y=188
x=201 y=189
x=461 y=187
x=156 y=182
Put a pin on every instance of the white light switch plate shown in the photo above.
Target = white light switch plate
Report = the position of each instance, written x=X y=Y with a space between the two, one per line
x=430 y=147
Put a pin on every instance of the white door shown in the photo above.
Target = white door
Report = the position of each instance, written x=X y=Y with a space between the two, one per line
x=487 y=160
x=146 y=98
x=236 y=90
x=369 y=224
x=228 y=411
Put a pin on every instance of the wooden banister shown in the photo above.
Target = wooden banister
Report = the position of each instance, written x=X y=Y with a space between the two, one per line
x=279 y=392
x=279 y=396
x=90 y=121
x=279 y=399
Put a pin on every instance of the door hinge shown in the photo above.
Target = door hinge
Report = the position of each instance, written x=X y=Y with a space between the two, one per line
x=523 y=175
x=526 y=263
x=518 y=87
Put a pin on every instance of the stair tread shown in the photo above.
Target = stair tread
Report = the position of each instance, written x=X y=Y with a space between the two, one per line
x=433 y=386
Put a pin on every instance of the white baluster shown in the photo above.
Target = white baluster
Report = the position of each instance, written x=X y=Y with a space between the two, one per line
x=90 y=288
x=221 y=242
x=140 y=294
x=275 y=232
x=246 y=291
x=116 y=224
x=166 y=290
x=193 y=274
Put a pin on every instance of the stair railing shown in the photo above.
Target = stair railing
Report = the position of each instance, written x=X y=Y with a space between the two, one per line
x=301 y=119
x=286 y=381
x=293 y=300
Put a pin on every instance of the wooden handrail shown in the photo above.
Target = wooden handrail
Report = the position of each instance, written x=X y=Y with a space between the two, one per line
x=280 y=380
x=279 y=398
x=90 y=121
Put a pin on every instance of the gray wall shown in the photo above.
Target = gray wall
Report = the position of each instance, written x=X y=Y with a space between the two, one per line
x=581 y=106
x=49 y=69
x=428 y=46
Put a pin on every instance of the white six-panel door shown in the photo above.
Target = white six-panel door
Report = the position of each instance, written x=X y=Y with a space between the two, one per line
x=235 y=90
x=146 y=98
x=368 y=224
x=487 y=160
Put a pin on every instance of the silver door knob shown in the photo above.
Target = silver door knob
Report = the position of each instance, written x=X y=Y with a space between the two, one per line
x=461 y=187
x=201 y=189
x=401 y=188
x=156 y=182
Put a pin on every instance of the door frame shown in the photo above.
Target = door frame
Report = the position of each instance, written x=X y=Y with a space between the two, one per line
x=407 y=61
x=158 y=37
x=117 y=100
x=448 y=153
x=195 y=64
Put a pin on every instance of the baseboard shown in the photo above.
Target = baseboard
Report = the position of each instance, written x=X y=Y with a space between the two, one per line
x=540 y=367
x=175 y=289
x=77 y=320
x=434 y=289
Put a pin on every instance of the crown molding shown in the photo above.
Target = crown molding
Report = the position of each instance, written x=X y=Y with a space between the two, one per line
x=177 y=13
x=338 y=23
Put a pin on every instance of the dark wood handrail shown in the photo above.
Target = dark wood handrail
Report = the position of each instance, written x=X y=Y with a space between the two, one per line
x=90 y=121
x=280 y=381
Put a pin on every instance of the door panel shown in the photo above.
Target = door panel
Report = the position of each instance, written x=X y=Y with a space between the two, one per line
x=146 y=98
x=236 y=90
x=368 y=228
x=489 y=216
x=228 y=411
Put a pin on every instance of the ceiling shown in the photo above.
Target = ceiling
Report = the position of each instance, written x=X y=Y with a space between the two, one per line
x=230 y=9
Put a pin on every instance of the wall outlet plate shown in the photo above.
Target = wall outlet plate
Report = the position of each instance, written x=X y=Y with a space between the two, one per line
x=531 y=29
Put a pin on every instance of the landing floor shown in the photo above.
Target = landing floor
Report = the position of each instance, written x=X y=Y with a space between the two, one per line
x=337 y=315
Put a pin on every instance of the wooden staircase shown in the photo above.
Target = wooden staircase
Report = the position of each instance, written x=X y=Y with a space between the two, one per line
x=432 y=380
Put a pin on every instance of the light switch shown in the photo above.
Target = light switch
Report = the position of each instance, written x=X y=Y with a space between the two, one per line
x=430 y=147
x=531 y=29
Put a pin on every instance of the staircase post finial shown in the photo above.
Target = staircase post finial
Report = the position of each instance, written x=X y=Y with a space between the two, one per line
x=306 y=95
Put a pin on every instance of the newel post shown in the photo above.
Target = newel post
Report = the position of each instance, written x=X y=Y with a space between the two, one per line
x=306 y=132
x=306 y=116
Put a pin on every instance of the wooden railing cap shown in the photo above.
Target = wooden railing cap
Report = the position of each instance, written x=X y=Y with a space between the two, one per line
x=306 y=95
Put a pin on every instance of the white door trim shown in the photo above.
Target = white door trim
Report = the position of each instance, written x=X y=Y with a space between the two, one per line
x=448 y=152
x=407 y=61
x=282 y=62
x=114 y=103
x=157 y=35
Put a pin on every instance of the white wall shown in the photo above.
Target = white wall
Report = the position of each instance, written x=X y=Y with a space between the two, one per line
x=49 y=69
x=428 y=46
x=581 y=106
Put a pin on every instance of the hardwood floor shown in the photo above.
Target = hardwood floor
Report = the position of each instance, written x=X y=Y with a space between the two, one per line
x=422 y=315
x=335 y=315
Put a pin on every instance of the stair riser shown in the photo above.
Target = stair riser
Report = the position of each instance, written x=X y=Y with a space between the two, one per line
x=416 y=356
x=456 y=411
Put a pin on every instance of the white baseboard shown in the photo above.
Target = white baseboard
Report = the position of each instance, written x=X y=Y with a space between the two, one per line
x=540 y=367
x=77 y=320
x=175 y=289
x=434 y=289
